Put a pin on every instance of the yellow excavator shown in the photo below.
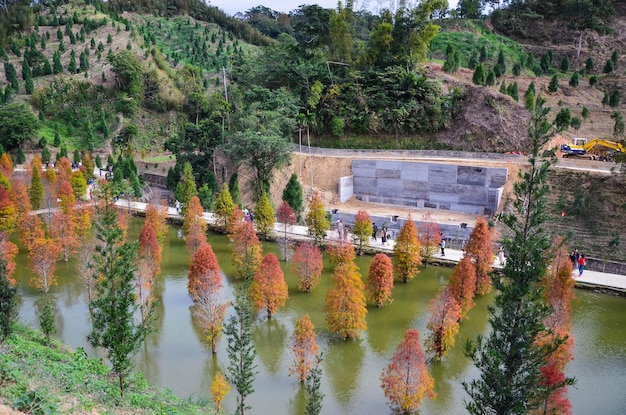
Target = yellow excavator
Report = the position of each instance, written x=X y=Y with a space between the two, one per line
x=581 y=147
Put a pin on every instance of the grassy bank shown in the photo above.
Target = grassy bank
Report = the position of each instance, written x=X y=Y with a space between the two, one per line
x=53 y=379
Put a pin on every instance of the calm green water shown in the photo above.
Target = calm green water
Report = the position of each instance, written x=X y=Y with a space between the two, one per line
x=174 y=357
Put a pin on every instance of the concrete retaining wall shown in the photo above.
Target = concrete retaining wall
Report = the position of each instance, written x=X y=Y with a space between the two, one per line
x=346 y=188
x=468 y=189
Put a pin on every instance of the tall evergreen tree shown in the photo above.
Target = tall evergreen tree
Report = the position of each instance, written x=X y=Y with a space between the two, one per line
x=8 y=302
x=235 y=192
x=292 y=194
x=241 y=350
x=114 y=327
x=509 y=358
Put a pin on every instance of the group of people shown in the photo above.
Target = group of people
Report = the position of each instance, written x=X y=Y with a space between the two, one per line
x=384 y=234
x=578 y=261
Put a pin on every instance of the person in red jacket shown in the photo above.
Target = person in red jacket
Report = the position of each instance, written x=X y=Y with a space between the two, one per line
x=581 y=265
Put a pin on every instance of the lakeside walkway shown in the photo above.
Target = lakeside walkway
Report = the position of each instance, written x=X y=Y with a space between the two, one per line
x=589 y=279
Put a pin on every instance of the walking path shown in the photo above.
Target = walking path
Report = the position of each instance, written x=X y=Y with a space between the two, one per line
x=589 y=279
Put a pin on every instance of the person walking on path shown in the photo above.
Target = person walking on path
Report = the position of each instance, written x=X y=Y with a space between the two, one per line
x=383 y=236
x=443 y=247
x=375 y=230
x=501 y=255
x=581 y=265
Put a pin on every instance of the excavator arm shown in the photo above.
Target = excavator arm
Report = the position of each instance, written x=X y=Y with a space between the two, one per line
x=606 y=143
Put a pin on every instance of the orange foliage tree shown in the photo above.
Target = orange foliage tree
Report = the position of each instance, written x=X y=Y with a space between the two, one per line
x=8 y=214
x=30 y=230
x=443 y=325
x=345 y=305
x=307 y=264
x=406 y=380
x=149 y=267
x=406 y=252
x=62 y=230
x=429 y=237
x=340 y=252
x=8 y=251
x=82 y=221
x=480 y=249
x=380 y=280
x=204 y=275
x=219 y=390
x=246 y=256
x=268 y=289
x=65 y=194
x=286 y=217
x=20 y=199
x=156 y=215
x=304 y=347
x=208 y=312
x=6 y=164
x=463 y=283
x=42 y=260
x=362 y=230
x=194 y=227
x=193 y=215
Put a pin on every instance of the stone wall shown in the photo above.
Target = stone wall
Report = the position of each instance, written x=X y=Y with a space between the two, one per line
x=468 y=189
x=346 y=188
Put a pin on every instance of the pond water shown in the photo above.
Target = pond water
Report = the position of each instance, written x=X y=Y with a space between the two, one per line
x=175 y=357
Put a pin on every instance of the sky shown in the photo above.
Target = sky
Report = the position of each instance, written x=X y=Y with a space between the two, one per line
x=233 y=6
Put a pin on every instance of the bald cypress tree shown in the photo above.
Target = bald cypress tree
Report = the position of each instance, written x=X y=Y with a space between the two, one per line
x=509 y=358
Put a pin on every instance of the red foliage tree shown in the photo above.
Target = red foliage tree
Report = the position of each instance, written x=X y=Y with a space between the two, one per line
x=429 y=237
x=42 y=260
x=559 y=288
x=303 y=345
x=406 y=380
x=443 y=325
x=553 y=379
x=480 y=249
x=380 y=280
x=65 y=194
x=269 y=290
x=247 y=254
x=62 y=230
x=285 y=216
x=463 y=284
x=204 y=275
x=345 y=304
x=195 y=238
x=149 y=248
x=406 y=252
x=20 y=199
x=307 y=264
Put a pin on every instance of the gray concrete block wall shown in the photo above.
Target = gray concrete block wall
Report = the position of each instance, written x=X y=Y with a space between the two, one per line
x=346 y=188
x=467 y=189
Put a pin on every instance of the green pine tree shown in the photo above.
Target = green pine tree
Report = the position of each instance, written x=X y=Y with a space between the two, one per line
x=224 y=204
x=554 y=84
x=57 y=68
x=36 y=190
x=186 y=188
x=312 y=392
x=114 y=326
x=293 y=195
x=508 y=358
x=241 y=350
x=264 y=215
x=8 y=303
x=233 y=185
